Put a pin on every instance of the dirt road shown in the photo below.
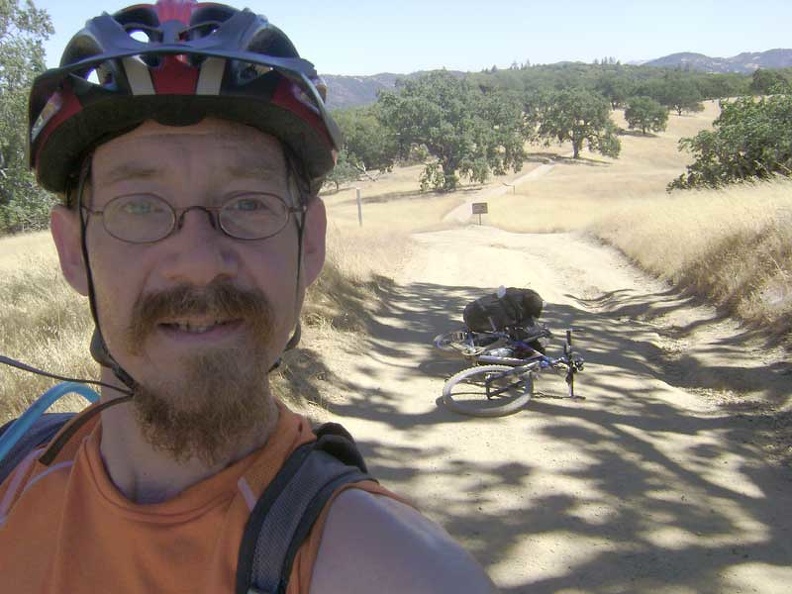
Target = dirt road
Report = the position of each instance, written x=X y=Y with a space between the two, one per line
x=654 y=483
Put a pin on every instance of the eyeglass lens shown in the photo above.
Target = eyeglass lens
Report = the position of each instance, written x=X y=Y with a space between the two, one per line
x=145 y=218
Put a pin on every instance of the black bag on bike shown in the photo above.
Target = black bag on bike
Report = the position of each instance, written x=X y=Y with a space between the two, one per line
x=491 y=313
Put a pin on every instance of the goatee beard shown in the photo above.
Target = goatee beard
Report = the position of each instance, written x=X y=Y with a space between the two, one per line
x=221 y=395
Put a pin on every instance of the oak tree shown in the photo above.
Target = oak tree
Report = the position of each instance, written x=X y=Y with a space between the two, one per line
x=581 y=117
x=466 y=131
x=23 y=29
x=646 y=114
x=750 y=139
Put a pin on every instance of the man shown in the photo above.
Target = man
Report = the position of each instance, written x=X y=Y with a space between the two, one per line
x=189 y=165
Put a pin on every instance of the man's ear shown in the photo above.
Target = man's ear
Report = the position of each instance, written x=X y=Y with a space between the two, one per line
x=65 y=228
x=314 y=236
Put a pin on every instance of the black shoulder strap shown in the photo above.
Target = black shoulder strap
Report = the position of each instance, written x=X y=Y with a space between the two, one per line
x=41 y=432
x=288 y=508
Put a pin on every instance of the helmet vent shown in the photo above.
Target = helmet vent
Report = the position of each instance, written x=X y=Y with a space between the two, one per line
x=139 y=16
x=202 y=30
x=205 y=21
x=92 y=76
x=139 y=35
x=247 y=72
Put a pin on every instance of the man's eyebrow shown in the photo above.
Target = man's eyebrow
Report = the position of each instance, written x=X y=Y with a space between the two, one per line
x=245 y=168
x=255 y=170
x=130 y=171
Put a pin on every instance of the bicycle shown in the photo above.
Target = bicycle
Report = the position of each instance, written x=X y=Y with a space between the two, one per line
x=512 y=359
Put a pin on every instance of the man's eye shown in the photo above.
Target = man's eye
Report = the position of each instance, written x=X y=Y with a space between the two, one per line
x=250 y=203
x=143 y=205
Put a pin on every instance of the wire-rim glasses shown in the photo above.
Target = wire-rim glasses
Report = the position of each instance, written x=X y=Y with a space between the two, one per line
x=147 y=218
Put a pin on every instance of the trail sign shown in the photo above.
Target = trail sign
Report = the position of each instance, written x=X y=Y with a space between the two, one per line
x=479 y=208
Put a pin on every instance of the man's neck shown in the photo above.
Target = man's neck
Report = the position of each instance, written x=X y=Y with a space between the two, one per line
x=146 y=475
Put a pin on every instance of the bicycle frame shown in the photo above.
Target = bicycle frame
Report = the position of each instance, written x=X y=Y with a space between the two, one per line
x=481 y=347
x=570 y=362
x=506 y=363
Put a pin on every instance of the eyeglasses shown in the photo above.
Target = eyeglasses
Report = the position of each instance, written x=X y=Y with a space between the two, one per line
x=146 y=218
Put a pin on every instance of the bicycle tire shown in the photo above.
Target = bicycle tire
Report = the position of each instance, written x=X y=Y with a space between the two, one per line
x=466 y=391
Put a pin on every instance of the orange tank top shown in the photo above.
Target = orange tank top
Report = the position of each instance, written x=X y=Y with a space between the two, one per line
x=66 y=528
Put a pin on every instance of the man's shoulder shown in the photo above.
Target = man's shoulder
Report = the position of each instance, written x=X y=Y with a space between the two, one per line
x=376 y=543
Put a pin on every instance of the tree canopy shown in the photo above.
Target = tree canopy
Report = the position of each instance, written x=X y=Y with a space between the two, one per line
x=766 y=82
x=646 y=114
x=370 y=146
x=23 y=28
x=750 y=139
x=467 y=131
x=581 y=117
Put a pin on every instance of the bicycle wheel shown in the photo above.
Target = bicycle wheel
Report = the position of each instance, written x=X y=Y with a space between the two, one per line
x=488 y=390
x=460 y=342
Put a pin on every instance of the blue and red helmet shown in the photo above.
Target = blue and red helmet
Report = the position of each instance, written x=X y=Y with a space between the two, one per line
x=177 y=62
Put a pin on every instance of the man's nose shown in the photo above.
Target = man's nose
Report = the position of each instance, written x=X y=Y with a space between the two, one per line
x=211 y=215
x=198 y=250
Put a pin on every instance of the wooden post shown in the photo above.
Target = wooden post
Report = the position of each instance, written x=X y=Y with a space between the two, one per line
x=360 y=207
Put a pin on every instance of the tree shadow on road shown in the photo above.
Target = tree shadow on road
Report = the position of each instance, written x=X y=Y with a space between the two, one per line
x=635 y=474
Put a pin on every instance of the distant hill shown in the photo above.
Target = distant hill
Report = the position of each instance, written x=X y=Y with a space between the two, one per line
x=352 y=91
x=744 y=63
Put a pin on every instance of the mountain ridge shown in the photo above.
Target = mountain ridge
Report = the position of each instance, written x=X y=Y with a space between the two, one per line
x=742 y=63
x=352 y=91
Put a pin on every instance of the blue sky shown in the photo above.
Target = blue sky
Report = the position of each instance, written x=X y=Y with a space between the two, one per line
x=367 y=37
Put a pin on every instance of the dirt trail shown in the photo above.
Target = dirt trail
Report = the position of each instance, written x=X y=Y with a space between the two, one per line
x=651 y=484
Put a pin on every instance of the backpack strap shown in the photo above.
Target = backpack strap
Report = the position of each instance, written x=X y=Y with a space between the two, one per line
x=289 y=507
x=40 y=433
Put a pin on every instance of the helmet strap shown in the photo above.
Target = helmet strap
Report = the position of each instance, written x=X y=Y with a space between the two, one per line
x=99 y=349
x=299 y=195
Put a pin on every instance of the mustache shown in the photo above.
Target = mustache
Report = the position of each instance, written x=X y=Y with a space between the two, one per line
x=219 y=299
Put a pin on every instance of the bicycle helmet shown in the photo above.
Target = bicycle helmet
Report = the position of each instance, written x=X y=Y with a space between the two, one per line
x=176 y=62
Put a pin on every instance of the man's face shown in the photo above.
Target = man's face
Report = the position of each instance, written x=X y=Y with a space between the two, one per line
x=197 y=318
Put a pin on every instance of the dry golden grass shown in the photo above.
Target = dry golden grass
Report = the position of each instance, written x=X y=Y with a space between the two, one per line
x=391 y=204
x=732 y=246
x=43 y=322
x=573 y=194
x=17 y=251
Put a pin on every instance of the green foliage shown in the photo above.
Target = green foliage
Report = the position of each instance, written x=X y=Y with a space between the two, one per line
x=768 y=82
x=343 y=172
x=369 y=146
x=473 y=125
x=646 y=114
x=675 y=90
x=580 y=116
x=683 y=96
x=752 y=139
x=722 y=86
x=467 y=131
x=23 y=28
x=616 y=86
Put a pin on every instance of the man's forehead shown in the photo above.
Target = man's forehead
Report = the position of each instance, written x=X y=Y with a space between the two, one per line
x=245 y=150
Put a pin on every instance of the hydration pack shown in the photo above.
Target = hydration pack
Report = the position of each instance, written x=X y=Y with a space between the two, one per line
x=506 y=308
